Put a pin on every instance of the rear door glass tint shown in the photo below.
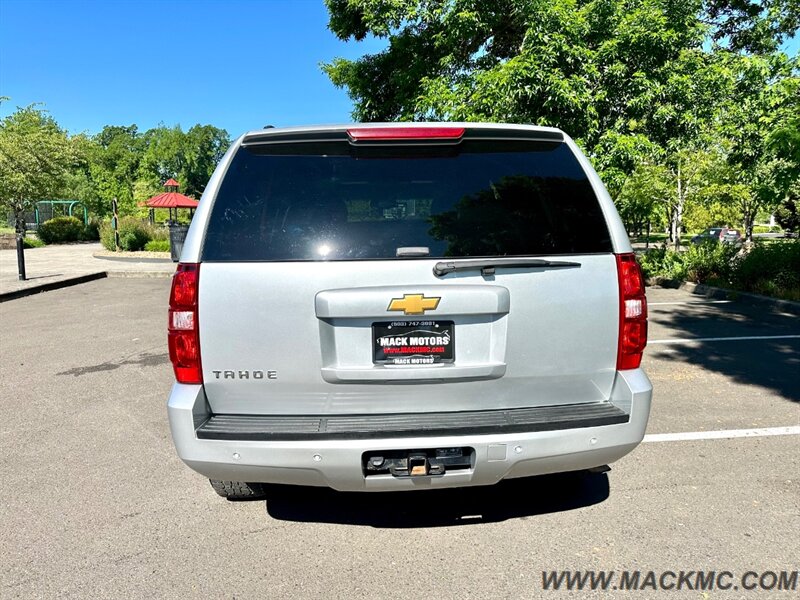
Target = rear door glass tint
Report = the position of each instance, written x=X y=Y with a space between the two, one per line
x=334 y=201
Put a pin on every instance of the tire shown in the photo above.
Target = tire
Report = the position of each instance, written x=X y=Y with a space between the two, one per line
x=238 y=490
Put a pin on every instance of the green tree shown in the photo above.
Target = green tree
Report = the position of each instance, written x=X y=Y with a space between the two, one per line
x=35 y=159
x=114 y=157
x=583 y=66
x=164 y=154
x=718 y=212
x=634 y=81
x=643 y=197
x=784 y=144
x=717 y=198
x=204 y=146
x=189 y=157
x=756 y=27
x=78 y=184
x=788 y=212
x=755 y=116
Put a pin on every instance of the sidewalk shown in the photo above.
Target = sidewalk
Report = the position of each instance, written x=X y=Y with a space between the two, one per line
x=60 y=263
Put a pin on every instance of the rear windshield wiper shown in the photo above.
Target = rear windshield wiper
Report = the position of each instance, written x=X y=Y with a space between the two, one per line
x=488 y=265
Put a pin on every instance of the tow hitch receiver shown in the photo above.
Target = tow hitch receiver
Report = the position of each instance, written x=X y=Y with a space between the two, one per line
x=416 y=463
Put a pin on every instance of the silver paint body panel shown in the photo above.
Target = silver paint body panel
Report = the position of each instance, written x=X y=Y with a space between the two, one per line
x=339 y=463
x=534 y=336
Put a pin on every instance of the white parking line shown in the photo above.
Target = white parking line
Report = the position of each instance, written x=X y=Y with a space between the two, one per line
x=724 y=339
x=695 y=303
x=721 y=435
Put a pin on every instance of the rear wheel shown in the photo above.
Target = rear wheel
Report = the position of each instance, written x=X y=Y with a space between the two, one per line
x=238 y=490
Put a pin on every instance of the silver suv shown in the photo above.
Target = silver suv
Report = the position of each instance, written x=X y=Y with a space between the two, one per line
x=405 y=306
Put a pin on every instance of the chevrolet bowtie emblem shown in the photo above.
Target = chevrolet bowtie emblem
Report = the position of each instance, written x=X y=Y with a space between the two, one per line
x=413 y=304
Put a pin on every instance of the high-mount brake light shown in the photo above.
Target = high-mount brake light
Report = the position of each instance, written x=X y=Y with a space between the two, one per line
x=183 y=334
x=632 y=313
x=404 y=133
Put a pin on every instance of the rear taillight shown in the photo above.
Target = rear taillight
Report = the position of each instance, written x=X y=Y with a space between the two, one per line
x=632 y=313
x=404 y=133
x=184 y=335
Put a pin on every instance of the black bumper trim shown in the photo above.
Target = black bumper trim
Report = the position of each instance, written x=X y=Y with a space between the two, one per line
x=317 y=427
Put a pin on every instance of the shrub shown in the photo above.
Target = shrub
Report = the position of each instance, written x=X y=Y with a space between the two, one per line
x=60 y=230
x=709 y=261
x=772 y=269
x=133 y=239
x=157 y=246
x=160 y=234
x=133 y=234
x=32 y=242
x=661 y=262
x=90 y=232
x=107 y=236
x=769 y=268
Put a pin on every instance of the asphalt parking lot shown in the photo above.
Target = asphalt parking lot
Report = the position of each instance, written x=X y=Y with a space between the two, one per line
x=95 y=502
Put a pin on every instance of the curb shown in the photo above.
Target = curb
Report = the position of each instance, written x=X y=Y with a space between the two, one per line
x=787 y=306
x=57 y=285
x=139 y=274
x=663 y=282
x=53 y=285
x=131 y=259
x=708 y=291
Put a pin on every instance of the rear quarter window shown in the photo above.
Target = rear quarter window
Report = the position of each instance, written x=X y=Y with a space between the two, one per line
x=334 y=201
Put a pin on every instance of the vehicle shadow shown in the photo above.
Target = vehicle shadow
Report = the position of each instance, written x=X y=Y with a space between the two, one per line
x=769 y=363
x=510 y=499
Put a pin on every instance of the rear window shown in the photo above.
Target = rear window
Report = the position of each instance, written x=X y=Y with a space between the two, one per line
x=336 y=201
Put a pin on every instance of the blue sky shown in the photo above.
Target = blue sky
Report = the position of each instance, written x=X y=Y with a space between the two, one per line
x=237 y=64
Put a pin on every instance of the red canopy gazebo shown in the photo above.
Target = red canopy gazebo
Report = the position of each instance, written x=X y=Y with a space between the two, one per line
x=172 y=199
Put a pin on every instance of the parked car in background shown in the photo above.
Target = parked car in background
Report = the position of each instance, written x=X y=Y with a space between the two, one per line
x=718 y=234
x=732 y=236
x=713 y=233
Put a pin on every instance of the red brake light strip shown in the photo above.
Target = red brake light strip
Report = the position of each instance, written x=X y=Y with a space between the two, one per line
x=404 y=133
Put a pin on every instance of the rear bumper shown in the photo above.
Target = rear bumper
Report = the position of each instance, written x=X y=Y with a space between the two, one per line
x=337 y=462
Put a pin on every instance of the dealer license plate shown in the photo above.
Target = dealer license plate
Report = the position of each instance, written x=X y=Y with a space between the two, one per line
x=413 y=342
